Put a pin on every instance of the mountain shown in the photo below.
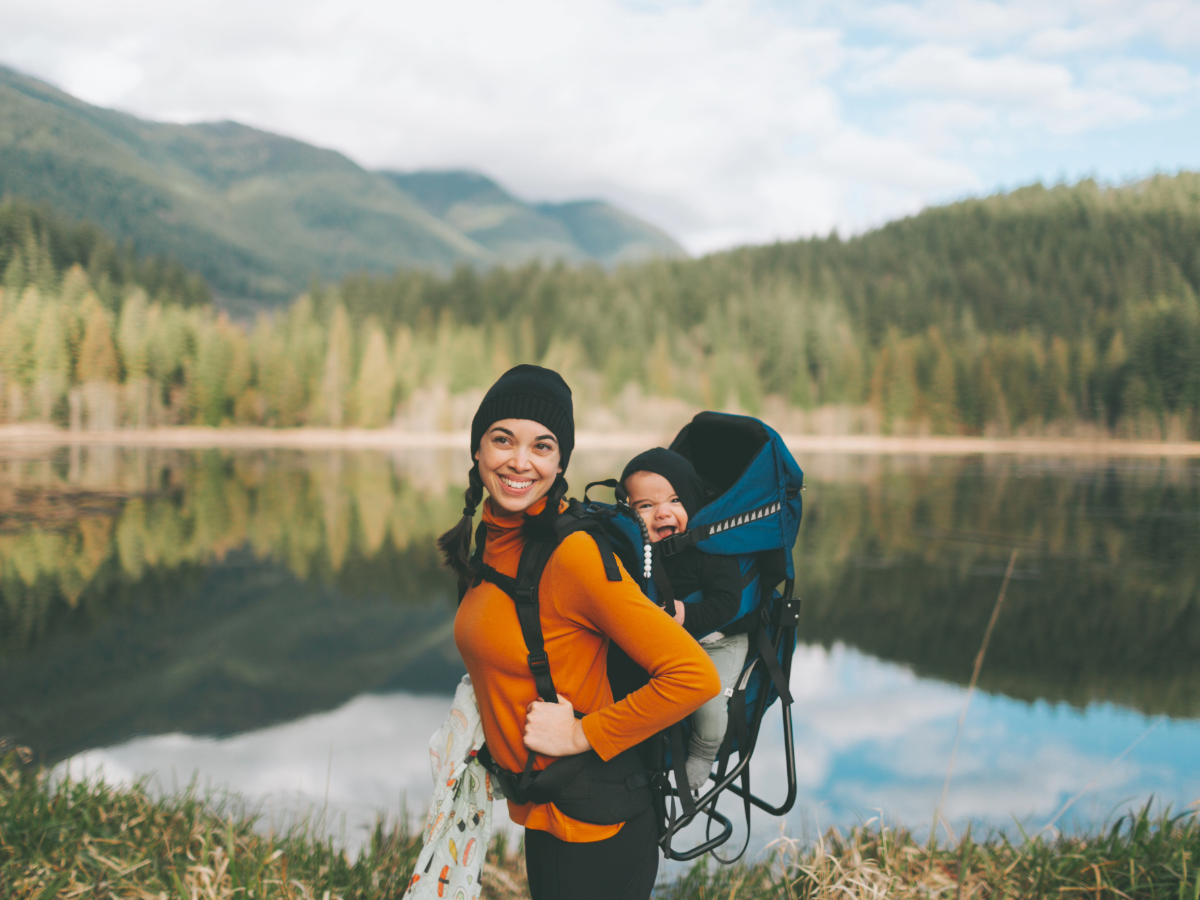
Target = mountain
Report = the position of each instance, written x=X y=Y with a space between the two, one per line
x=492 y=217
x=258 y=214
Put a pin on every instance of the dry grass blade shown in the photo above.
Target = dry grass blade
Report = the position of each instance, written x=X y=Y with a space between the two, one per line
x=987 y=636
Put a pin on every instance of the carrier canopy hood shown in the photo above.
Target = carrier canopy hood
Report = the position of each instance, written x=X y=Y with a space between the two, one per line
x=754 y=484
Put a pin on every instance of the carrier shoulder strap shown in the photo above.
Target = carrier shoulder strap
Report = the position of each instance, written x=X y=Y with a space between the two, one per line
x=524 y=588
x=524 y=593
x=574 y=519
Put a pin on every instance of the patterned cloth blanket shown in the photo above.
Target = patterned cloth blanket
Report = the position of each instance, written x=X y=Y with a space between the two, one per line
x=459 y=822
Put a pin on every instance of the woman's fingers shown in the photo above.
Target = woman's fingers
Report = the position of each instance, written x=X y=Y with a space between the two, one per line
x=551 y=728
x=541 y=715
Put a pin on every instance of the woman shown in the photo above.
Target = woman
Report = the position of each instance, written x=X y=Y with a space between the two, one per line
x=521 y=439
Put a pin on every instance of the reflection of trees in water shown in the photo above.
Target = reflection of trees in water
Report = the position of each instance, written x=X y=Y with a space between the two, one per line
x=904 y=562
x=899 y=557
x=81 y=529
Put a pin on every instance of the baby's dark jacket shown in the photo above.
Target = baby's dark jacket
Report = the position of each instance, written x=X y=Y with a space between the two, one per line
x=718 y=578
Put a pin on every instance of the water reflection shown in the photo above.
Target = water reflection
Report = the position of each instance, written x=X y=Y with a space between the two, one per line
x=872 y=739
x=905 y=562
x=180 y=606
x=82 y=531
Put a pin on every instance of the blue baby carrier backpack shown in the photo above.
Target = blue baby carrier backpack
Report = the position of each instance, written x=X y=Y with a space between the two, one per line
x=753 y=514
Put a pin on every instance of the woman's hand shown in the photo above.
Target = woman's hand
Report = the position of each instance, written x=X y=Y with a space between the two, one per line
x=680 y=609
x=551 y=729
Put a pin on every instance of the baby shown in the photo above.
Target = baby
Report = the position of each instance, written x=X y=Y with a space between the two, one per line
x=665 y=490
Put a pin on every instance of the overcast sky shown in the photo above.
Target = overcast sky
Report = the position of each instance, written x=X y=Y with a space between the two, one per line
x=724 y=121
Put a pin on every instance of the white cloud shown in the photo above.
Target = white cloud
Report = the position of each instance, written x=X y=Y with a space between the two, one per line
x=1033 y=90
x=1142 y=77
x=970 y=21
x=953 y=71
x=893 y=161
x=948 y=125
x=1060 y=41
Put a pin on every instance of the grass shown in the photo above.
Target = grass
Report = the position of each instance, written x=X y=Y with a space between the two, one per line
x=1138 y=856
x=87 y=839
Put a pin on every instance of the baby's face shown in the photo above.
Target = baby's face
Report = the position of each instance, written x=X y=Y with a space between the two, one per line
x=657 y=503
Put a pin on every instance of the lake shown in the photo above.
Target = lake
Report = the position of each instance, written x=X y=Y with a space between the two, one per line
x=275 y=622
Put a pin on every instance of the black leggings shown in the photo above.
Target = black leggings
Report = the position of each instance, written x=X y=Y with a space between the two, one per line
x=622 y=867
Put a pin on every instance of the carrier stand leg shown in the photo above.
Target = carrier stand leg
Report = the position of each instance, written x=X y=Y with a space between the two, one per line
x=707 y=803
x=789 y=750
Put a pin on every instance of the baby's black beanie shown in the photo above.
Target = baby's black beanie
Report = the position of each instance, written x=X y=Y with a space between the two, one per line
x=676 y=469
x=529 y=392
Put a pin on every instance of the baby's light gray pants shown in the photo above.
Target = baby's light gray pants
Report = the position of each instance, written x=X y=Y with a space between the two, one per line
x=728 y=654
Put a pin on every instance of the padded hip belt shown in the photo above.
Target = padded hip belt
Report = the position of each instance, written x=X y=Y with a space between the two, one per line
x=584 y=787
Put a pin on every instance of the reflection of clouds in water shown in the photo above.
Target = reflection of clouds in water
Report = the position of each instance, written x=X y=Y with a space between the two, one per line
x=1027 y=787
x=871 y=738
x=874 y=739
x=374 y=752
x=858 y=699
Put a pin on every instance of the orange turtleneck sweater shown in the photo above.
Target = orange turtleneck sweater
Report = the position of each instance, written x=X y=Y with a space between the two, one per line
x=581 y=610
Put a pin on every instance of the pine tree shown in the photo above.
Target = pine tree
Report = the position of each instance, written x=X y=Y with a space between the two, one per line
x=97 y=355
x=98 y=369
x=335 y=378
x=941 y=399
x=214 y=355
x=131 y=336
x=52 y=361
x=375 y=389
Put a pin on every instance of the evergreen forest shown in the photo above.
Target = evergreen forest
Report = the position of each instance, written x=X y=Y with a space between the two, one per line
x=1064 y=310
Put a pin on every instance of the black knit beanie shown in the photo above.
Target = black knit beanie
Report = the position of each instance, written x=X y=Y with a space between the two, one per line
x=676 y=469
x=529 y=392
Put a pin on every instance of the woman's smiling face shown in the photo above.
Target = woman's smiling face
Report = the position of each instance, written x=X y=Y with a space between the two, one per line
x=518 y=462
x=655 y=500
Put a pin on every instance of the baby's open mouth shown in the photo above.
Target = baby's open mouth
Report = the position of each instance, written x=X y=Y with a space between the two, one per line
x=666 y=531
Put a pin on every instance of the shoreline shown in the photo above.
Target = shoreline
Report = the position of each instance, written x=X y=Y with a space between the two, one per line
x=198 y=437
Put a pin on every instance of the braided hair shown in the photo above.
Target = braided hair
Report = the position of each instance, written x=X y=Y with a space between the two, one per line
x=455 y=544
x=541 y=526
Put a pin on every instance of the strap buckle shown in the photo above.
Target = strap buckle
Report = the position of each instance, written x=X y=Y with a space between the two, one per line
x=524 y=595
x=539 y=662
x=676 y=542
